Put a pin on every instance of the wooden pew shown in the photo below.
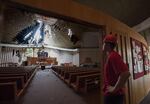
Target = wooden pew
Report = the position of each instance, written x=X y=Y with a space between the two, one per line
x=67 y=73
x=15 y=75
x=27 y=70
x=91 y=84
x=73 y=76
x=66 y=69
x=15 y=72
x=81 y=83
x=80 y=78
x=13 y=81
x=8 y=92
x=19 y=81
x=59 y=71
x=72 y=69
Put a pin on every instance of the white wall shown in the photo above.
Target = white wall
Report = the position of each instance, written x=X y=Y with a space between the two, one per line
x=92 y=53
x=6 y=55
x=76 y=59
x=90 y=47
x=62 y=56
x=66 y=57
x=90 y=39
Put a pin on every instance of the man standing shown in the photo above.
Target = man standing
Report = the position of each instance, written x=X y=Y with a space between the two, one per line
x=116 y=73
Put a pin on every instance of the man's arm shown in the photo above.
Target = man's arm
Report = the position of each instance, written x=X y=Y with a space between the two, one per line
x=122 y=80
x=120 y=83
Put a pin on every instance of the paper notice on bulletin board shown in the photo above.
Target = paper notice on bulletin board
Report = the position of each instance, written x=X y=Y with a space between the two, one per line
x=146 y=59
x=137 y=58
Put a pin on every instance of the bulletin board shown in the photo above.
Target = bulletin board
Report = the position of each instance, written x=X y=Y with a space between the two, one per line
x=137 y=58
x=146 y=59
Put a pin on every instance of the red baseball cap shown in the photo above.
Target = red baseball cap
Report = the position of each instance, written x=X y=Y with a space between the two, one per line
x=110 y=38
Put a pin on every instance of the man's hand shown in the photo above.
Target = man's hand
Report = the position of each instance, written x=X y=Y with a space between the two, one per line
x=110 y=89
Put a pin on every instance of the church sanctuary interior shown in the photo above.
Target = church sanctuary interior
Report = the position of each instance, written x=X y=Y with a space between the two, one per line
x=51 y=52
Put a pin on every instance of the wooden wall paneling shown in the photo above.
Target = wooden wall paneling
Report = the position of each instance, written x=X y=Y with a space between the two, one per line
x=147 y=83
x=129 y=60
x=121 y=46
x=128 y=95
x=117 y=44
x=123 y=51
x=144 y=87
x=139 y=90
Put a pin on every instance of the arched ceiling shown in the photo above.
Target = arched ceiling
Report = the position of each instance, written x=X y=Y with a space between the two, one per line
x=130 y=12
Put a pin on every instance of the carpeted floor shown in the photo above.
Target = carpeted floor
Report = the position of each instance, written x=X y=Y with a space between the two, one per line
x=146 y=100
x=47 y=88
